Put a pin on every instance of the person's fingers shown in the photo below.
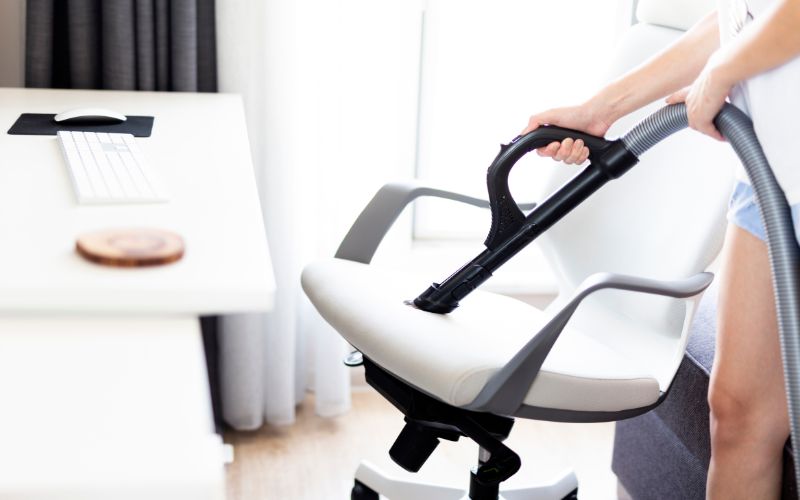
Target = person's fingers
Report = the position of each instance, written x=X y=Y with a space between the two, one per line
x=575 y=153
x=584 y=155
x=699 y=119
x=564 y=150
x=679 y=96
x=708 y=128
x=549 y=150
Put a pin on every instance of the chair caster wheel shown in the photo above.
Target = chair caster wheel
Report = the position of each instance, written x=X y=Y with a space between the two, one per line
x=572 y=495
x=361 y=491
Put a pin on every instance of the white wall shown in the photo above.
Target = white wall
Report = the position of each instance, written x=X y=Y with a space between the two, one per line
x=12 y=43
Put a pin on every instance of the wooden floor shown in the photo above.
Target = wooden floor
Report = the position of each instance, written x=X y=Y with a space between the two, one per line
x=315 y=459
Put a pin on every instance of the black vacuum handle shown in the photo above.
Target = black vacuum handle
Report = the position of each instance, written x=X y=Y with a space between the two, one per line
x=507 y=218
x=511 y=230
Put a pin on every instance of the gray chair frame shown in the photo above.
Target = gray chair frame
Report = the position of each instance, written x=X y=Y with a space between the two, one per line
x=505 y=392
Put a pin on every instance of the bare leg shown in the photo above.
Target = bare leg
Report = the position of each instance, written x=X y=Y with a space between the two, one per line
x=749 y=422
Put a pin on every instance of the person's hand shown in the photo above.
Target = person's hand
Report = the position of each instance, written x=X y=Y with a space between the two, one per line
x=705 y=97
x=588 y=117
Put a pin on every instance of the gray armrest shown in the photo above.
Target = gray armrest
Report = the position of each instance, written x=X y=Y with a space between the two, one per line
x=506 y=390
x=382 y=211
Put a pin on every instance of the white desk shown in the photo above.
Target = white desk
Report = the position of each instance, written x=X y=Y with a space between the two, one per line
x=199 y=146
x=102 y=375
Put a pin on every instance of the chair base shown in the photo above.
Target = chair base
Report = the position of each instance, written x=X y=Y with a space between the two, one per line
x=370 y=482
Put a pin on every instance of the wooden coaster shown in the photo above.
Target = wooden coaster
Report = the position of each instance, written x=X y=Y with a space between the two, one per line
x=135 y=247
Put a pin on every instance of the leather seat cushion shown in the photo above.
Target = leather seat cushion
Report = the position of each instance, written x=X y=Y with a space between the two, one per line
x=452 y=356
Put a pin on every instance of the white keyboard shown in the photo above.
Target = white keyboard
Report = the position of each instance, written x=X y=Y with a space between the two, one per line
x=109 y=168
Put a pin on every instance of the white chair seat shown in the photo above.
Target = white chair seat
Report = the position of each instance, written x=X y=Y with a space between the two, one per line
x=453 y=356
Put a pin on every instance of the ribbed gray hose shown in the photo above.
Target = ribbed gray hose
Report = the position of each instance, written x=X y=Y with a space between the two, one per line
x=784 y=253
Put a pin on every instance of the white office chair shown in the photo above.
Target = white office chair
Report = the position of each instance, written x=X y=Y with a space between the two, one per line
x=615 y=350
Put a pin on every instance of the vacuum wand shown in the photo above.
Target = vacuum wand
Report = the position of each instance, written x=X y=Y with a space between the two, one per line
x=511 y=230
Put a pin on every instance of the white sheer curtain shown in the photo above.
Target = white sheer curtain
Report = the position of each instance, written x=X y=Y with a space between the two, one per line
x=329 y=89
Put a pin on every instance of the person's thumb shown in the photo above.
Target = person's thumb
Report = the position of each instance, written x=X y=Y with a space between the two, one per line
x=679 y=96
x=536 y=121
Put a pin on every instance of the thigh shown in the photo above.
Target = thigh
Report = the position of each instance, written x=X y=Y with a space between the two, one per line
x=748 y=370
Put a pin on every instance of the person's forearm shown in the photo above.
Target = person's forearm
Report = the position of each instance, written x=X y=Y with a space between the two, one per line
x=669 y=70
x=770 y=41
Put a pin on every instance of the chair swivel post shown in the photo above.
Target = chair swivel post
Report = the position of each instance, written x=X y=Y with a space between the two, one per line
x=429 y=420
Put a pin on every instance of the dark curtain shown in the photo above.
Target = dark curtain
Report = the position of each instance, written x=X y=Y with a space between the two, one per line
x=121 y=44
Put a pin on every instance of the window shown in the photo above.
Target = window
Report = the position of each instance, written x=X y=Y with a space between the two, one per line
x=486 y=66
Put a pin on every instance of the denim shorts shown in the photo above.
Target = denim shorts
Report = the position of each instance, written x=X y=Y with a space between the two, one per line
x=743 y=211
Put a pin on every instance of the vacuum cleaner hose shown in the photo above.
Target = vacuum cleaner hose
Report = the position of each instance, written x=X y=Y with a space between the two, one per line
x=784 y=253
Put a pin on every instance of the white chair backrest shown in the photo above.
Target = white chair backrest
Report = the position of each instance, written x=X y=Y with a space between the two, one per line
x=665 y=218
x=675 y=14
